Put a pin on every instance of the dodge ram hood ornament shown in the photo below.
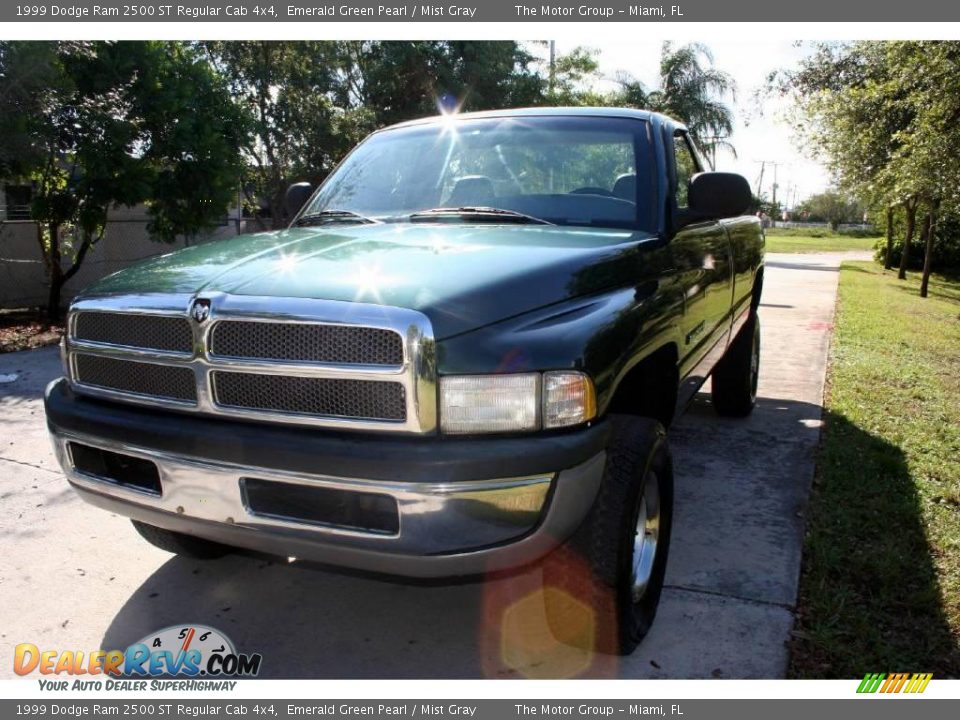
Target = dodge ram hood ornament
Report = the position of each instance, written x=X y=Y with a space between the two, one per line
x=200 y=310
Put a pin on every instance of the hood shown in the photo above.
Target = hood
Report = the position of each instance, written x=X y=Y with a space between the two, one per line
x=461 y=276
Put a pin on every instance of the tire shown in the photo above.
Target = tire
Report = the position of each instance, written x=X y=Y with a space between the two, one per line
x=734 y=379
x=602 y=587
x=180 y=544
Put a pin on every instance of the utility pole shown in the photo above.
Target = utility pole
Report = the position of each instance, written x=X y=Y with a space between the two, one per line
x=763 y=165
x=773 y=220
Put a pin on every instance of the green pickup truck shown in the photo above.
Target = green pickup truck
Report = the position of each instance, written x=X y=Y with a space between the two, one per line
x=460 y=358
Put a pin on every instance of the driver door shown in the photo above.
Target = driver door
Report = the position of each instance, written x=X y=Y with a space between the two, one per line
x=702 y=255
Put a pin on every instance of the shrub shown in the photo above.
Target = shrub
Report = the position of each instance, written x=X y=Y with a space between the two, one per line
x=946 y=244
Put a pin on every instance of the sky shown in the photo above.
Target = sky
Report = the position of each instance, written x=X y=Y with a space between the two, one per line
x=760 y=133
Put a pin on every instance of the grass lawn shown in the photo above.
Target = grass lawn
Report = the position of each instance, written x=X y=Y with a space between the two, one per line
x=788 y=240
x=880 y=587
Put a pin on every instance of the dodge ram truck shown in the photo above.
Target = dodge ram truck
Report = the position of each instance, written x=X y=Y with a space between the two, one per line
x=460 y=358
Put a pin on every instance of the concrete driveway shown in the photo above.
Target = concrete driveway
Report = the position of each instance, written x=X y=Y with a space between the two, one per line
x=72 y=576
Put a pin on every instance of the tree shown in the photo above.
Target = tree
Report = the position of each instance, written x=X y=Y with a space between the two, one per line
x=928 y=231
x=832 y=207
x=568 y=80
x=28 y=82
x=117 y=124
x=887 y=259
x=310 y=102
x=928 y=74
x=691 y=90
x=189 y=141
x=885 y=116
x=288 y=93
x=404 y=80
x=911 y=204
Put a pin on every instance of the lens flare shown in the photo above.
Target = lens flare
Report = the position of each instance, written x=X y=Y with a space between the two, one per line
x=518 y=639
x=448 y=109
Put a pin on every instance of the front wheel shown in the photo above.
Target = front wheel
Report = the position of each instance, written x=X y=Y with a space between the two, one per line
x=179 y=543
x=602 y=587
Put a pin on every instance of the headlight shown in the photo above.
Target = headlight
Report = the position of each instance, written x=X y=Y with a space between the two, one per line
x=489 y=403
x=515 y=403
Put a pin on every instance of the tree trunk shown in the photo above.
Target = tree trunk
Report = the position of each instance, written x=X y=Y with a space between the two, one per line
x=928 y=227
x=911 y=225
x=888 y=260
x=53 y=297
x=56 y=275
x=278 y=207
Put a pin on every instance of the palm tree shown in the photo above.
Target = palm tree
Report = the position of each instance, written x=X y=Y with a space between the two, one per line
x=690 y=90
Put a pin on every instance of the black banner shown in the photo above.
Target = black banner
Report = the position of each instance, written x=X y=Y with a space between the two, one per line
x=472 y=11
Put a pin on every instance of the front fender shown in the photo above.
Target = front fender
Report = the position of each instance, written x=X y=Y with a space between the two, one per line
x=603 y=335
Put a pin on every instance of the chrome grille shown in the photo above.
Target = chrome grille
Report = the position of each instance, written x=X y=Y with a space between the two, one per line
x=350 y=366
x=150 y=332
x=129 y=376
x=306 y=342
x=362 y=399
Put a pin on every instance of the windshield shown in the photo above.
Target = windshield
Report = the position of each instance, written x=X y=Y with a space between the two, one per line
x=563 y=170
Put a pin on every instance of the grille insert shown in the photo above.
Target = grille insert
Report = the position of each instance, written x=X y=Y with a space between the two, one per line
x=361 y=399
x=124 y=470
x=348 y=509
x=150 y=332
x=306 y=342
x=164 y=381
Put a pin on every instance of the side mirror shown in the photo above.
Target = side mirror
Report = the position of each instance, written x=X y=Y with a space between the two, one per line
x=297 y=195
x=717 y=195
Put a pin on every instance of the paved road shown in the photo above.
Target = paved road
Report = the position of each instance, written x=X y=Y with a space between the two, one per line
x=72 y=576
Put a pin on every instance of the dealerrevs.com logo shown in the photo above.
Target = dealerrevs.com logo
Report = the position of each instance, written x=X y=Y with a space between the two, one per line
x=178 y=651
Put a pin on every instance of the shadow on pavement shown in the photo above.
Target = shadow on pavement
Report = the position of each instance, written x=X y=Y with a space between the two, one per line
x=803 y=266
x=24 y=376
x=312 y=623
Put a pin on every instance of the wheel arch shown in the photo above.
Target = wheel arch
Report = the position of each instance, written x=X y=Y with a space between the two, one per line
x=757 y=288
x=649 y=388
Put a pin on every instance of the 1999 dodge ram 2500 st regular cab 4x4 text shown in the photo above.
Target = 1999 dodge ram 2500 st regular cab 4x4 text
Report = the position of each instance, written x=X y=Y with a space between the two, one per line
x=459 y=358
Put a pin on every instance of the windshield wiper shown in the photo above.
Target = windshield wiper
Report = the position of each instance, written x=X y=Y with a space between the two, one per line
x=326 y=217
x=476 y=212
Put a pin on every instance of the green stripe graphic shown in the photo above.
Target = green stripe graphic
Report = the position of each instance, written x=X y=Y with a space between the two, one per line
x=871 y=682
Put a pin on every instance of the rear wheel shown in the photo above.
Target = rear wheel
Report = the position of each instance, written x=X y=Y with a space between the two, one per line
x=179 y=543
x=602 y=587
x=735 y=378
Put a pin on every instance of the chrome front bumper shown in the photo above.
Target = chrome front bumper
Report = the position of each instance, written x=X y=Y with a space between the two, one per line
x=445 y=529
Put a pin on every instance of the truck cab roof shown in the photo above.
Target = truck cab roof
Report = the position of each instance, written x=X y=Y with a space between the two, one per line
x=604 y=112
